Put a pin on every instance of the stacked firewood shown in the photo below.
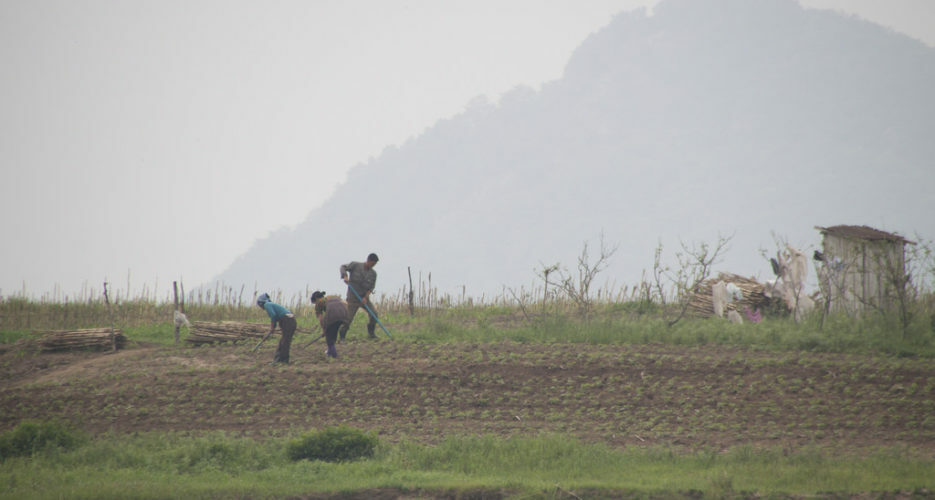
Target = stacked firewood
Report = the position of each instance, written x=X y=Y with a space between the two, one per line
x=90 y=338
x=701 y=304
x=206 y=332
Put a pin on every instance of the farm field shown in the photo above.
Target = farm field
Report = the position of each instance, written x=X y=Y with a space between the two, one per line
x=639 y=395
x=705 y=407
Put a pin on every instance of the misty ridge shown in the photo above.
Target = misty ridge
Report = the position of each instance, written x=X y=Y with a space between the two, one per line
x=706 y=118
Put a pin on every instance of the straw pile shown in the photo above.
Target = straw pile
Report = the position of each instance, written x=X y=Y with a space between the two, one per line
x=701 y=305
x=90 y=338
x=206 y=332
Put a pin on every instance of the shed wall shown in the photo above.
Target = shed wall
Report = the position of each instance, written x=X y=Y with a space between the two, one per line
x=861 y=272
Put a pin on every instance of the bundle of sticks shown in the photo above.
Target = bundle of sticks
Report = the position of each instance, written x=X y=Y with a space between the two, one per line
x=701 y=303
x=89 y=338
x=206 y=332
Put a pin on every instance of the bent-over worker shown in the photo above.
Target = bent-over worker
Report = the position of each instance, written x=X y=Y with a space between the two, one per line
x=286 y=320
x=331 y=312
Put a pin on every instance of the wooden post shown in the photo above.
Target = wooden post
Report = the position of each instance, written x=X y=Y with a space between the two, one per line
x=545 y=287
x=411 y=293
x=175 y=294
x=182 y=298
x=113 y=333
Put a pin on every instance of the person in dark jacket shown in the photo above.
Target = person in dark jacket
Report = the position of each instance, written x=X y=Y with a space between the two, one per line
x=360 y=277
x=332 y=313
x=286 y=320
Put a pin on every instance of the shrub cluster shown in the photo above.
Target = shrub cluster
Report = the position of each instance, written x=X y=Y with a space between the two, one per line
x=30 y=437
x=333 y=444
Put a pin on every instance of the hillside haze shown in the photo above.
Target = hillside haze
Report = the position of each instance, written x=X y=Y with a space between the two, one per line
x=705 y=118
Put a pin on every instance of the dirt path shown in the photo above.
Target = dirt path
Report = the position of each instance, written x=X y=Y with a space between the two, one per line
x=77 y=367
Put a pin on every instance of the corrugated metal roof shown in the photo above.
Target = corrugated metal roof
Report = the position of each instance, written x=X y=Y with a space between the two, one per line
x=861 y=233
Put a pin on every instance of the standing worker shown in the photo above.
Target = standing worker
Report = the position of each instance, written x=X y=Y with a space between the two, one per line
x=331 y=312
x=286 y=320
x=362 y=279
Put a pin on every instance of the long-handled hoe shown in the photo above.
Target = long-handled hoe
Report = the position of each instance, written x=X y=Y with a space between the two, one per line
x=316 y=339
x=261 y=341
x=297 y=331
x=374 y=316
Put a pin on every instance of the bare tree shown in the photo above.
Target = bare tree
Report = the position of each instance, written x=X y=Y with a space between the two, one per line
x=521 y=298
x=545 y=271
x=694 y=264
x=661 y=272
x=827 y=284
x=905 y=280
x=578 y=288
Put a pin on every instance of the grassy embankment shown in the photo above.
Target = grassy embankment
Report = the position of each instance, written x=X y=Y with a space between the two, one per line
x=161 y=465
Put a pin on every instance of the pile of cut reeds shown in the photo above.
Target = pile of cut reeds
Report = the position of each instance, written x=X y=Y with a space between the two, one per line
x=701 y=303
x=207 y=332
x=89 y=338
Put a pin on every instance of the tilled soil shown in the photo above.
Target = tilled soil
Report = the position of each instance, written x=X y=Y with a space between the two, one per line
x=642 y=395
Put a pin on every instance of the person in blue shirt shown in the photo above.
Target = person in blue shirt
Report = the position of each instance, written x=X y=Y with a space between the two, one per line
x=286 y=320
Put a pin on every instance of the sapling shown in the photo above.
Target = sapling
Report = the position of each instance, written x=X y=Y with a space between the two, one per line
x=578 y=290
x=695 y=263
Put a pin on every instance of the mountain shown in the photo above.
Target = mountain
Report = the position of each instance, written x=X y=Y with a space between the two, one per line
x=708 y=117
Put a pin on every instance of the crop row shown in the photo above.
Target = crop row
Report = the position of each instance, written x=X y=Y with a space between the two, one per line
x=655 y=394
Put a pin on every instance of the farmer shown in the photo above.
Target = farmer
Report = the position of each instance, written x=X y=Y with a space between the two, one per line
x=286 y=320
x=362 y=280
x=331 y=312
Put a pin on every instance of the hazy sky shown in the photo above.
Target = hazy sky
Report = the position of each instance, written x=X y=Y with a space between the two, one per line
x=161 y=138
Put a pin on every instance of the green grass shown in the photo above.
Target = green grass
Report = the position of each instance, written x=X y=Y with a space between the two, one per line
x=839 y=334
x=156 y=333
x=333 y=444
x=612 y=323
x=544 y=461
x=28 y=438
x=216 y=465
x=11 y=336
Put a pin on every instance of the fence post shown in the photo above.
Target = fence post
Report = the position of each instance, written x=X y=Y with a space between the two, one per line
x=175 y=294
x=411 y=293
x=113 y=333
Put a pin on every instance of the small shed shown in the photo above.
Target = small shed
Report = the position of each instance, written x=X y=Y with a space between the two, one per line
x=861 y=268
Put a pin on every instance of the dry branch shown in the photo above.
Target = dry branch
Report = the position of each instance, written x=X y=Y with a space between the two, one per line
x=701 y=305
x=206 y=332
x=91 y=338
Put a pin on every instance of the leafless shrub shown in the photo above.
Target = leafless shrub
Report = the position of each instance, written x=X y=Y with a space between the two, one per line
x=694 y=263
x=522 y=298
x=906 y=281
x=578 y=288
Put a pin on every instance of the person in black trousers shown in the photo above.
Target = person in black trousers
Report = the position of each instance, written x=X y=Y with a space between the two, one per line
x=286 y=320
x=332 y=313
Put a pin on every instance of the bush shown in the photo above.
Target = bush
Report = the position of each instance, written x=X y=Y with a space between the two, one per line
x=30 y=437
x=333 y=444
